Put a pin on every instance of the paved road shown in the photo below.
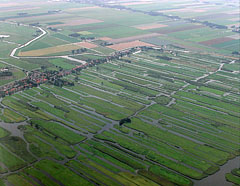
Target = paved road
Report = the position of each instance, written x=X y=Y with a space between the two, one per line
x=73 y=59
x=28 y=43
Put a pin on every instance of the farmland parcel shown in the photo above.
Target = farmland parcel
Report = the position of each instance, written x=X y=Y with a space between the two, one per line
x=119 y=93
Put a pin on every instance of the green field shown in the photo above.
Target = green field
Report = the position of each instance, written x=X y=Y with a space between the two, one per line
x=147 y=116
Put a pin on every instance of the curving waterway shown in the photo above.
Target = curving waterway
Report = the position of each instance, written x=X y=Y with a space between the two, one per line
x=218 y=179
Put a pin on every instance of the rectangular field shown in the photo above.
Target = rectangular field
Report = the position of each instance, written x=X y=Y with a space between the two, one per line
x=76 y=22
x=216 y=41
x=123 y=46
x=128 y=39
x=57 y=49
x=150 y=26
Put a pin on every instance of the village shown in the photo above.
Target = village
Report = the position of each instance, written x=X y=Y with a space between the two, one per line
x=38 y=77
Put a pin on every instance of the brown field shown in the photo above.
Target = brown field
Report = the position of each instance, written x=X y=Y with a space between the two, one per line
x=133 y=38
x=216 y=41
x=105 y=38
x=76 y=22
x=198 y=10
x=179 y=29
x=8 y=4
x=57 y=49
x=123 y=46
x=86 y=45
x=150 y=26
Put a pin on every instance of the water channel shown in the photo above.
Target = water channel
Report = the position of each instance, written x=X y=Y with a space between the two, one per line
x=218 y=179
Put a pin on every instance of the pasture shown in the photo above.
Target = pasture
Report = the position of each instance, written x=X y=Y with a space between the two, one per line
x=166 y=113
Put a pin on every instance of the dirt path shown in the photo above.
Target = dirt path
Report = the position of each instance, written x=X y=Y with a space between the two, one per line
x=210 y=73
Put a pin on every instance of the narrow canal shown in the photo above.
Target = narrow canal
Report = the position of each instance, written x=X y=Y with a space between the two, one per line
x=218 y=179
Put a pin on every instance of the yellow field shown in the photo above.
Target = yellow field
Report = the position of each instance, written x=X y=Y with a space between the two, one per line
x=51 y=50
x=85 y=33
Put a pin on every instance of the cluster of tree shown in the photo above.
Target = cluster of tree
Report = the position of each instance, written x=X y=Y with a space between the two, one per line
x=127 y=60
x=106 y=44
x=38 y=127
x=32 y=107
x=53 y=29
x=206 y=23
x=22 y=14
x=82 y=37
x=61 y=83
x=28 y=106
x=61 y=108
x=125 y=120
x=87 y=38
x=2 y=93
x=74 y=35
x=164 y=58
x=163 y=100
x=34 y=24
x=236 y=29
x=235 y=53
x=213 y=25
x=116 y=55
x=60 y=68
x=52 y=73
x=78 y=51
x=147 y=48
x=152 y=13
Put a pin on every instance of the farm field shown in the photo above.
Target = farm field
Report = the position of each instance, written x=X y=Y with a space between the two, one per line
x=119 y=93
x=16 y=74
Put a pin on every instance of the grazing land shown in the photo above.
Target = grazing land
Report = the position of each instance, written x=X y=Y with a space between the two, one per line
x=119 y=93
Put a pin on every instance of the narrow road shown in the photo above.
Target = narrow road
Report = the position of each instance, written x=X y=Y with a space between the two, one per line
x=73 y=59
x=9 y=64
x=29 y=42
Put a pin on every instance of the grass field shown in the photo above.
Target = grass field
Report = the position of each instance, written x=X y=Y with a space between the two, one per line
x=16 y=75
x=164 y=114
